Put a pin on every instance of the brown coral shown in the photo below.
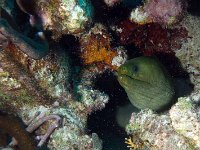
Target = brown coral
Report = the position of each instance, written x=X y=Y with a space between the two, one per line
x=15 y=129
x=152 y=38
x=30 y=64
x=96 y=49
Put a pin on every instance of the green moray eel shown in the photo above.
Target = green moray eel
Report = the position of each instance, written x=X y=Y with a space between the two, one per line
x=147 y=83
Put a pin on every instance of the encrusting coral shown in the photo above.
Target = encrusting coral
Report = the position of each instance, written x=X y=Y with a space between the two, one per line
x=96 y=48
x=156 y=131
x=165 y=12
x=160 y=131
x=92 y=99
x=72 y=16
x=185 y=119
x=188 y=54
x=151 y=38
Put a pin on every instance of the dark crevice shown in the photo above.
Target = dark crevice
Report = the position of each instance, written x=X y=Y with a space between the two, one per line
x=104 y=122
x=194 y=7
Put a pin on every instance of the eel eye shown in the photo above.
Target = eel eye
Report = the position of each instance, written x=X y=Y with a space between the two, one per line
x=135 y=68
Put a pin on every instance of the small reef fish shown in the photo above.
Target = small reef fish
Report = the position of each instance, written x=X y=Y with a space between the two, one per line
x=147 y=83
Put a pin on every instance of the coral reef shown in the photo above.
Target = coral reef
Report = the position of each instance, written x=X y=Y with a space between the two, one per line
x=41 y=120
x=159 y=11
x=91 y=98
x=97 y=143
x=120 y=58
x=70 y=135
x=35 y=47
x=151 y=38
x=154 y=40
x=72 y=16
x=23 y=90
x=28 y=101
x=185 y=120
x=139 y=16
x=156 y=131
x=44 y=82
x=96 y=49
x=51 y=73
x=189 y=55
x=164 y=11
x=52 y=85
x=181 y=122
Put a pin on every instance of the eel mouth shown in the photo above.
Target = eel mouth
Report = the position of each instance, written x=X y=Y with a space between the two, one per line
x=124 y=79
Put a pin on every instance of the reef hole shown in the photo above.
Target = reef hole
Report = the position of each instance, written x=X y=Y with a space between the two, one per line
x=104 y=122
x=193 y=7
x=109 y=15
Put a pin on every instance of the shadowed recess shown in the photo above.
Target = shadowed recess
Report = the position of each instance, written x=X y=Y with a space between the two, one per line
x=104 y=122
x=194 y=7
x=106 y=15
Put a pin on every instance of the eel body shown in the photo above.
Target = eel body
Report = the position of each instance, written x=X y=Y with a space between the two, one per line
x=147 y=83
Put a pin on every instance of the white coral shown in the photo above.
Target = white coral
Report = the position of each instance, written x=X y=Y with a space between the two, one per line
x=156 y=131
x=185 y=120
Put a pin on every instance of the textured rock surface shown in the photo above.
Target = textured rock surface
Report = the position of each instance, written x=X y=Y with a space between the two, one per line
x=181 y=123
x=185 y=120
x=72 y=15
x=156 y=131
x=189 y=53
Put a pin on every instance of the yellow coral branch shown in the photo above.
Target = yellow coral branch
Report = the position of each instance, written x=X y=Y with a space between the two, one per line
x=133 y=144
